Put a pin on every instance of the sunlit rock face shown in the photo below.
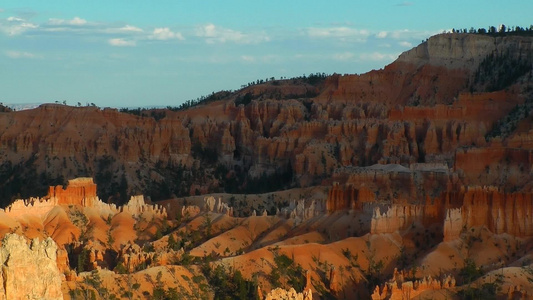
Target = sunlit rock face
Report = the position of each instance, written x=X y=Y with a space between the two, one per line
x=29 y=271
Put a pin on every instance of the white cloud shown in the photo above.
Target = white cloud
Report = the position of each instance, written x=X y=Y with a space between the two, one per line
x=15 y=19
x=129 y=28
x=126 y=29
x=398 y=34
x=405 y=44
x=341 y=33
x=376 y=56
x=76 y=21
x=15 y=26
x=381 y=35
x=406 y=34
x=121 y=42
x=248 y=58
x=20 y=54
x=165 y=33
x=213 y=34
x=346 y=56
x=265 y=59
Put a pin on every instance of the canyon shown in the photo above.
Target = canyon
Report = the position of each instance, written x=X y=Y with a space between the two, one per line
x=405 y=182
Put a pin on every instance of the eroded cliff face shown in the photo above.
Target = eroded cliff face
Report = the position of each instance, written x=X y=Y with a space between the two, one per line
x=492 y=208
x=456 y=210
x=464 y=51
x=29 y=271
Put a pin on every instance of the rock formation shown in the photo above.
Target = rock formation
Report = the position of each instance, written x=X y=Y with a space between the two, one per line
x=347 y=197
x=136 y=206
x=132 y=256
x=82 y=192
x=333 y=284
x=498 y=211
x=302 y=210
x=79 y=191
x=353 y=187
x=398 y=288
x=29 y=272
x=190 y=211
x=453 y=224
x=395 y=218
x=291 y=294
x=217 y=206
x=516 y=293
x=33 y=206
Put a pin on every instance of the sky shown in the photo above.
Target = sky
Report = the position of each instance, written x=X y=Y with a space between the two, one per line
x=129 y=53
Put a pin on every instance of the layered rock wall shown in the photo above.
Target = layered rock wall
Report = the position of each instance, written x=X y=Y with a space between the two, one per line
x=388 y=184
x=498 y=211
x=463 y=51
x=507 y=167
x=79 y=191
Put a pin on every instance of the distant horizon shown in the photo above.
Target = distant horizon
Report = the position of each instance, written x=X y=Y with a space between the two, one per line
x=25 y=106
x=167 y=53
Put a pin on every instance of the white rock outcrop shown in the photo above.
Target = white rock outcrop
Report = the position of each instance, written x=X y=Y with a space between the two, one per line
x=291 y=294
x=217 y=206
x=29 y=271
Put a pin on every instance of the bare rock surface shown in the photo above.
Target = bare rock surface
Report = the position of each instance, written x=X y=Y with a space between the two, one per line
x=29 y=271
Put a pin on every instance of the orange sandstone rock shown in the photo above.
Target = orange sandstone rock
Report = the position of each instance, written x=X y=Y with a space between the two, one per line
x=79 y=191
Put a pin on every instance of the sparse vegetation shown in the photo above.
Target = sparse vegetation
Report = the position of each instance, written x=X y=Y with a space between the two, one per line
x=470 y=272
x=229 y=285
x=499 y=70
x=502 y=30
x=507 y=125
x=284 y=267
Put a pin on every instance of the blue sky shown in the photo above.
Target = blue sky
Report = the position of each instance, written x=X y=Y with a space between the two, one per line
x=146 y=53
